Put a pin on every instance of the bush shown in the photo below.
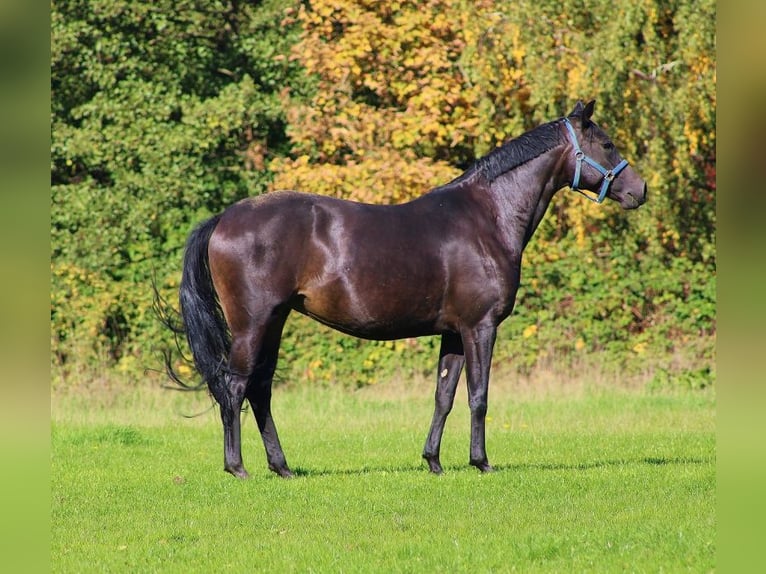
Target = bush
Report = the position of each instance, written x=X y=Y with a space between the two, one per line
x=164 y=113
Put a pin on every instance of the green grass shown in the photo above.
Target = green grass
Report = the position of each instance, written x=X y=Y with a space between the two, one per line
x=588 y=480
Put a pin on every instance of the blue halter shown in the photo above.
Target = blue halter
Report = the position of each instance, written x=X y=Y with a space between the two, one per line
x=607 y=174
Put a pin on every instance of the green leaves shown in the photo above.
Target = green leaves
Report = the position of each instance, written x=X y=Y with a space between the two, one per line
x=163 y=113
x=166 y=112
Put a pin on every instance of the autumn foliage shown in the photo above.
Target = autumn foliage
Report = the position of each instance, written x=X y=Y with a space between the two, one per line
x=179 y=110
x=409 y=93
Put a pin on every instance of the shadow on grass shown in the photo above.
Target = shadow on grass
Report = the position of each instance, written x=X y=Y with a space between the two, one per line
x=302 y=472
x=650 y=460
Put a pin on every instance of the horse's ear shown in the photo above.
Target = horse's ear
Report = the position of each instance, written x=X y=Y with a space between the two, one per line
x=578 y=110
x=588 y=111
x=583 y=112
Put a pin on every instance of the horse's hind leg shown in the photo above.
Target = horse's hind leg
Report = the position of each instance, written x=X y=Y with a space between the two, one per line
x=451 y=360
x=230 y=398
x=259 y=395
x=232 y=445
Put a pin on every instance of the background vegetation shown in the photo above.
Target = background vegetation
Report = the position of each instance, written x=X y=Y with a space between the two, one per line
x=164 y=113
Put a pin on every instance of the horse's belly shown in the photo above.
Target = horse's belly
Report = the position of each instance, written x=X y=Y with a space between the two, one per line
x=380 y=331
x=378 y=316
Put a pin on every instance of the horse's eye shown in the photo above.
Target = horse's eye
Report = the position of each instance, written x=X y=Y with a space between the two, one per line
x=608 y=146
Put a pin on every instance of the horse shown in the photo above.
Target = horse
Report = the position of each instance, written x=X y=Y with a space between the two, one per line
x=446 y=263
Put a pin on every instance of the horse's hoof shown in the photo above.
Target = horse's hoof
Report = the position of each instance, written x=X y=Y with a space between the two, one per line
x=282 y=471
x=483 y=466
x=238 y=471
x=433 y=464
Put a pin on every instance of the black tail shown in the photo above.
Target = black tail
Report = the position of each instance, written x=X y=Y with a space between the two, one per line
x=203 y=322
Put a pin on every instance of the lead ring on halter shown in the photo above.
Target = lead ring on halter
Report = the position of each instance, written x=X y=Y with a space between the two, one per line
x=608 y=175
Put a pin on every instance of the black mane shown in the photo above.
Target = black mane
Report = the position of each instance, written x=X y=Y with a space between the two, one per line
x=519 y=150
x=515 y=152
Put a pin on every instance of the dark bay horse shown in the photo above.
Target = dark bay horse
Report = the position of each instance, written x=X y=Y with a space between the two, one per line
x=447 y=263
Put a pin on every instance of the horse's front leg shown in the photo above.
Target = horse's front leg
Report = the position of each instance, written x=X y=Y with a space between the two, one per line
x=478 y=344
x=451 y=360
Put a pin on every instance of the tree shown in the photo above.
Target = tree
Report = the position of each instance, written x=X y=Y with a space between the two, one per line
x=410 y=93
x=161 y=113
x=166 y=112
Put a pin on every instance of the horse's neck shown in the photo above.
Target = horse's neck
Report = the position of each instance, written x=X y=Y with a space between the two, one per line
x=522 y=196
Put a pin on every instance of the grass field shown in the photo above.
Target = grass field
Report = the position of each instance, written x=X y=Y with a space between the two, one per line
x=588 y=479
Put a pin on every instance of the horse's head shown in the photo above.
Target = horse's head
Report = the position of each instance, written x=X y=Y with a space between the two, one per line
x=595 y=165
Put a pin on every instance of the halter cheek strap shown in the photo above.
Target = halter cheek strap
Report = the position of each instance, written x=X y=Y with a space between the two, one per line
x=607 y=174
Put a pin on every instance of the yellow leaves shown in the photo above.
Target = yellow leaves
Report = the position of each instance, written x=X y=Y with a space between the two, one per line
x=581 y=216
x=529 y=331
x=517 y=53
x=578 y=78
x=386 y=77
x=76 y=294
x=398 y=87
x=670 y=236
x=184 y=370
x=375 y=178
x=692 y=137
x=407 y=89
x=389 y=83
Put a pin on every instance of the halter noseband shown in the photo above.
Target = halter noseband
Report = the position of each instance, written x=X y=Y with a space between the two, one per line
x=607 y=174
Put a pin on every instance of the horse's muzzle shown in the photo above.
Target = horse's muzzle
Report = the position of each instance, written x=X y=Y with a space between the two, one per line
x=642 y=199
x=634 y=197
